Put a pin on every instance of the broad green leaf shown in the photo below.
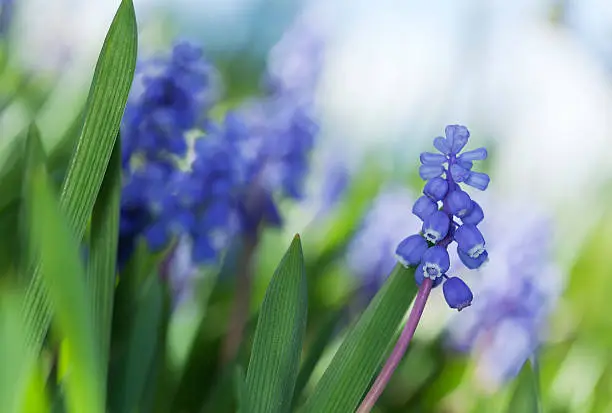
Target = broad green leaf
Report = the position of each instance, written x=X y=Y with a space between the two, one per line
x=17 y=362
x=106 y=102
x=360 y=355
x=277 y=344
x=63 y=275
x=103 y=253
x=526 y=396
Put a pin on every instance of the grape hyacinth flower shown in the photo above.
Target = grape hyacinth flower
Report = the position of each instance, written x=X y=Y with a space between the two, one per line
x=440 y=228
x=443 y=204
x=166 y=194
x=275 y=134
x=514 y=296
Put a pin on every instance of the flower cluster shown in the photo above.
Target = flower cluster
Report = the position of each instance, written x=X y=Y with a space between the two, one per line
x=186 y=174
x=516 y=294
x=164 y=192
x=429 y=249
x=273 y=137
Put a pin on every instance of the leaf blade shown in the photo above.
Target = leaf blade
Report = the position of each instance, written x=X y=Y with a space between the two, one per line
x=277 y=344
x=526 y=395
x=103 y=254
x=107 y=98
x=62 y=273
x=360 y=355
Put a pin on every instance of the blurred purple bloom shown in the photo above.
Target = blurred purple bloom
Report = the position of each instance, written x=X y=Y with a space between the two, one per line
x=275 y=134
x=513 y=295
x=6 y=15
x=165 y=194
x=186 y=174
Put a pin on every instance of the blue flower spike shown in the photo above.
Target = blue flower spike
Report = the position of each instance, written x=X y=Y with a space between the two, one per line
x=444 y=172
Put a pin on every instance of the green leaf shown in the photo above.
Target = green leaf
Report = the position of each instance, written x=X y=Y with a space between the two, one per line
x=241 y=391
x=106 y=102
x=16 y=361
x=103 y=253
x=277 y=344
x=130 y=371
x=361 y=353
x=63 y=275
x=526 y=396
x=11 y=171
x=35 y=160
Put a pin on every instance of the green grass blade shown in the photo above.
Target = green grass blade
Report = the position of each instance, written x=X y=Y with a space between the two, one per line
x=361 y=353
x=526 y=396
x=106 y=102
x=64 y=279
x=16 y=361
x=277 y=344
x=130 y=371
x=103 y=253
x=240 y=388
x=35 y=159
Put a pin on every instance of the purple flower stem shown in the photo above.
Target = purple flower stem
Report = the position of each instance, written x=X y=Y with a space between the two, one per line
x=400 y=348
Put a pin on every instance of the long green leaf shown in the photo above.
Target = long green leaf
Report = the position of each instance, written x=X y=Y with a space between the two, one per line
x=359 y=357
x=103 y=253
x=526 y=396
x=64 y=279
x=16 y=361
x=277 y=344
x=135 y=360
x=106 y=102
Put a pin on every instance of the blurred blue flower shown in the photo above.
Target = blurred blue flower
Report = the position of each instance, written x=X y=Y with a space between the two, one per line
x=371 y=253
x=187 y=174
x=164 y=192
x=513 y=295
x=6 y=15
x=296 y=60
x=276 y=133
x=439 y=227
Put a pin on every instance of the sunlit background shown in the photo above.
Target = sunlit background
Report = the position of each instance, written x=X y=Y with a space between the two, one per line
x=532 y=80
